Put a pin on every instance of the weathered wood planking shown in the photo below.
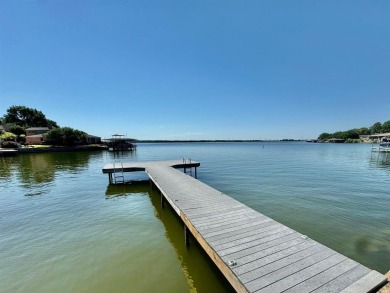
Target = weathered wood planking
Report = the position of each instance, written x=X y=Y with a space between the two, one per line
x=267 y=256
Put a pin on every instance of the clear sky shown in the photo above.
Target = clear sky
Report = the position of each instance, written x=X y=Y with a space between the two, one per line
x=198 y=69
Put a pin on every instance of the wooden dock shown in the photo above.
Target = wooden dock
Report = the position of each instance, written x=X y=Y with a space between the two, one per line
x=254 y=252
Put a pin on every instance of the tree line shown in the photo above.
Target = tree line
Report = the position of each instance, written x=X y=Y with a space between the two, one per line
x=18 y=118
x=353 y=134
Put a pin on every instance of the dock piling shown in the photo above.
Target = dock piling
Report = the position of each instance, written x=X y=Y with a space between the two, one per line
x=186 y=236
x=162 y=200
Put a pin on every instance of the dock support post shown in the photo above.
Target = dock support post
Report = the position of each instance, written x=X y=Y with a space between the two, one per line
x=110 y=178
x=196 y=174
x=162 y=200
x=186 y=236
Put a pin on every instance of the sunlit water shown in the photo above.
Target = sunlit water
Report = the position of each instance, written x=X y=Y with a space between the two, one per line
x=63 y=229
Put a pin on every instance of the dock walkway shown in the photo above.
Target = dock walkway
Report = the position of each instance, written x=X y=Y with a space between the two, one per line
x=254 y=252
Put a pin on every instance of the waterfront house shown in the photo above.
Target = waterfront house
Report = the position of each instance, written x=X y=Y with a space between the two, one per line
x=35 y=139
x=34 y=135
x=36 y=130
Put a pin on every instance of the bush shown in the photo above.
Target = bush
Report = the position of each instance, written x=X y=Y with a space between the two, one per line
x=65 y=136
x=9 y=145
x=353 y=140
x=8 y=136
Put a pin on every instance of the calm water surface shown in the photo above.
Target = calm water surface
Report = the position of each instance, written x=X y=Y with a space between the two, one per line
x=63 y=229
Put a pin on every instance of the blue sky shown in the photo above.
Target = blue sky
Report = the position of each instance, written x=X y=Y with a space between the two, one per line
x=198 y=69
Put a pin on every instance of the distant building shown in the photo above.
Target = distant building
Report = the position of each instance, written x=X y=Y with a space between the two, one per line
x=34 y=135
x=379 y=137
x=92 y=139
x=36 y=130
x=35 y=139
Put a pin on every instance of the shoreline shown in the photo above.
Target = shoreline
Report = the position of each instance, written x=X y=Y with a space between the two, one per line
x=62 y=149
x=216 y=140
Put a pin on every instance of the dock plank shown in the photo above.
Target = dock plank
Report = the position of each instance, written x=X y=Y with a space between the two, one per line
x=323 y=277
x=251 y=238
x=303 y=270
x=231 y=224
x=342 y=281
x=243 y=246
x=276 y=262
x=275 y=242
x=367 y=283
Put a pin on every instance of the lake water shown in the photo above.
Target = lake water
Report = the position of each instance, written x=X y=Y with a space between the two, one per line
x=64 y=229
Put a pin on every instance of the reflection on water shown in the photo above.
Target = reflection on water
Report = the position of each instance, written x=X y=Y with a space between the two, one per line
x=119 y=155
x=42 y=168
x=7 y=166
x=118 y=190
x=198 y=269
x=380 y=160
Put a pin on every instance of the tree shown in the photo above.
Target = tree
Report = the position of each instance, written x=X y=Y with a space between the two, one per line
x=376 y=128
x=54 y=136
x=386 y=126
x=324 y=136
x=65 y=136
x=27 y=117
x=19 y=132
x=16 y=129
x=51 y=124
x=7 y=136
x=363 y=131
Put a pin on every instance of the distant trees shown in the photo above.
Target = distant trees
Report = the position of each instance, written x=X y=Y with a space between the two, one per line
x=386 y=126
x=376 y=128
x=27 y=117
x=325 y=136
x=348 y=134
x=353 y=134
x=65 y=136
x=380 y=128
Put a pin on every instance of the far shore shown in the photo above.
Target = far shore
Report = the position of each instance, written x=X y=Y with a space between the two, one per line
x=215 y=140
